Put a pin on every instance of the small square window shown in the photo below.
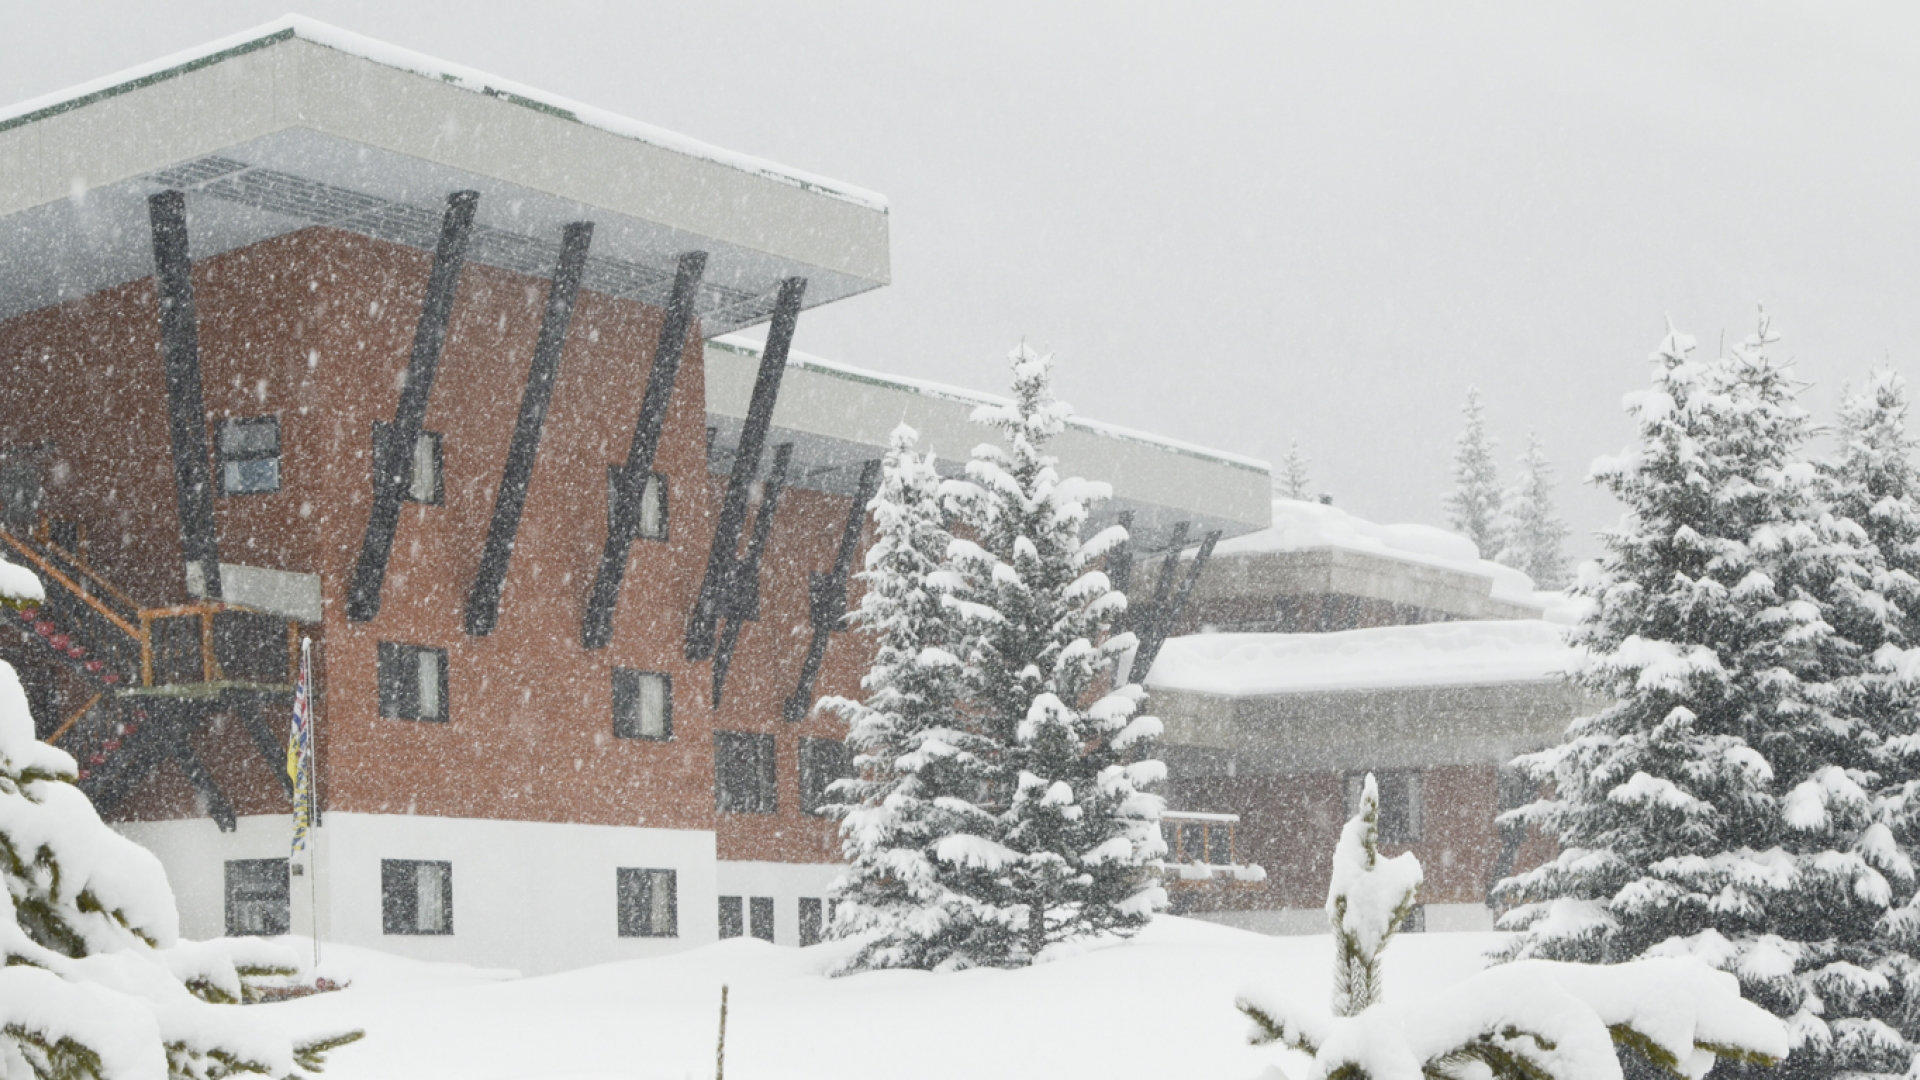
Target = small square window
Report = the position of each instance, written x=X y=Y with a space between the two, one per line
x=822 y=761
x=258 y=898
x=642 y=704
x=413 y=682
x=249 y=452
x=733 y=922
x=1399 y=804
x=743 y=772
x=653 y=504
x=416 y=897
x=760 y=917
x=647 y=902
x=427 y=485
x=812 y=921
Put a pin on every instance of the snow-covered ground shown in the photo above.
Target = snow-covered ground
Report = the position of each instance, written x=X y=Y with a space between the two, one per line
x=1160 y=1005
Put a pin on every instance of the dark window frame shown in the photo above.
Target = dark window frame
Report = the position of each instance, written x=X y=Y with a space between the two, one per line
x=400 y=897
x=733 y=917
x=438 y=496
x=1402 y=803
x=760 y=918
x=636 y=890
x=397 y=674
x=227 y=457
x=280 y=890
x=627 y=683
x=813 y=920
x=815 y=754
x=745 y=783
x=656 y=482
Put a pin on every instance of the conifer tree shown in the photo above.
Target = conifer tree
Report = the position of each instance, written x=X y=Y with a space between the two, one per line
x=1293 y=482
x=1721 y=806
x=1530 y=528
x=95 y=983
x=921 y=876
x=1473 y=507
x=1071 y=774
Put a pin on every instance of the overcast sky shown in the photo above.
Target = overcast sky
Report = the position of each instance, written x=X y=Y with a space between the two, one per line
x=1242 y=224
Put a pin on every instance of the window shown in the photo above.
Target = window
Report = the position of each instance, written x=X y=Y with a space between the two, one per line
x=648 y=907
x=416 y=897
x=760 y=917
x=743 y=772
x=653 y=504
x=732 y=923
x=427 y=486
x=413 y=682
x=257 y=897
x=249 y=455
x=642 y=704
x=812 y=923
x=822 y=761
x=1399 y=804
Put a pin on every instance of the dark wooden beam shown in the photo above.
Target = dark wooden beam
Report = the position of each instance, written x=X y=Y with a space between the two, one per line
x=483 y=600
x=629 y=486
x=393 y=453
x=109 y=784
x=721 y=557
x=1120 y=561
x=218 y=808
x=1166 y=614
x=272 y=751
x=186 y=403
x=827 y=595
x=742 y=597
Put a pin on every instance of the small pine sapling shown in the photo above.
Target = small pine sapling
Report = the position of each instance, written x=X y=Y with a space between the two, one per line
x=1473 y=507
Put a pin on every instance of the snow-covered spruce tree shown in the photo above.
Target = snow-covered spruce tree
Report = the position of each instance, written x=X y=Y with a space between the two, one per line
x=1720 y=807
x=1473 y=507
x=1532 y=1020
x=95 y=983
x=916 y=886
x=1293 y=482
x=1079 y=830
x=1530 y=529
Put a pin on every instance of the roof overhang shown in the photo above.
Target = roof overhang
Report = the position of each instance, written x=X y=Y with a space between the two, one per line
x=299 y=124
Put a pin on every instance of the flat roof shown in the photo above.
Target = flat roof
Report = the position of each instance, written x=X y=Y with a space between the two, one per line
x=297 y=123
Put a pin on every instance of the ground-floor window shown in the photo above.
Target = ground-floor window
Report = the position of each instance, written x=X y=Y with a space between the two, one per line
x=416 y=896
x=258 y=897
x=648 y=907
x=733 y=922
x=740 y=916
x=812 y=920
x=760 y=917
x=1400 y=803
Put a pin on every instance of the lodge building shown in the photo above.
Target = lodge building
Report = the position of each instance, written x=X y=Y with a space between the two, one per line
x=308 y=338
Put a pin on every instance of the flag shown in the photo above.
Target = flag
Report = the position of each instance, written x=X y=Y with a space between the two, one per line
x=300 y=749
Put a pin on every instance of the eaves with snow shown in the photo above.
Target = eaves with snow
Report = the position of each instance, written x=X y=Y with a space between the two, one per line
x=298 y=124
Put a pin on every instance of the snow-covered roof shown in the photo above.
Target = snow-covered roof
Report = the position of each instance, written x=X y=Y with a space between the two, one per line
x=1429 y=654
x=298 y=123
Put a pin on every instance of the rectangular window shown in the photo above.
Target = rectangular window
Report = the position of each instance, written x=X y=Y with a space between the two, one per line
x=257 y=897
x=249 y=452
x=653 y=504
x=743 y=772
x=413 y=682
x=732 y=922
x=642 y=704
x=416 y=897
x=1399 y=804
x=822 y=761
x=427 y=486
x=760 y=913
x=648 y=906
x=812 y=924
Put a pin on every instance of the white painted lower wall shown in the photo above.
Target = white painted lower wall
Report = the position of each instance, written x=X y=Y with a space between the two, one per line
x=785 y=882
x=534 y=896
x=1441 y=918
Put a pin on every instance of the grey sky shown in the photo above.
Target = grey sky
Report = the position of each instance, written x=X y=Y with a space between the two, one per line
x=1241 y=224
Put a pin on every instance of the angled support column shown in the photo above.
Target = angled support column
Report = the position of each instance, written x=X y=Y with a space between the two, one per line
x=1120 y=565
x=186 y=404
x=1167 y=614
x=629 y=486
x=722 y=562
x=827 y=594
x=393 y=454
x=742 y=599
x=483 y=600
x=218 y=808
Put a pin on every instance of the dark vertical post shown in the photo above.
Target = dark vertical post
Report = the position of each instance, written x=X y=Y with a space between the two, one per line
x=483 y=601
x=393 y=454
x=827 y=595
x=742 y=600
x=721 y=562
x=186 y=404
x=630 y=482
x=1120 y=565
